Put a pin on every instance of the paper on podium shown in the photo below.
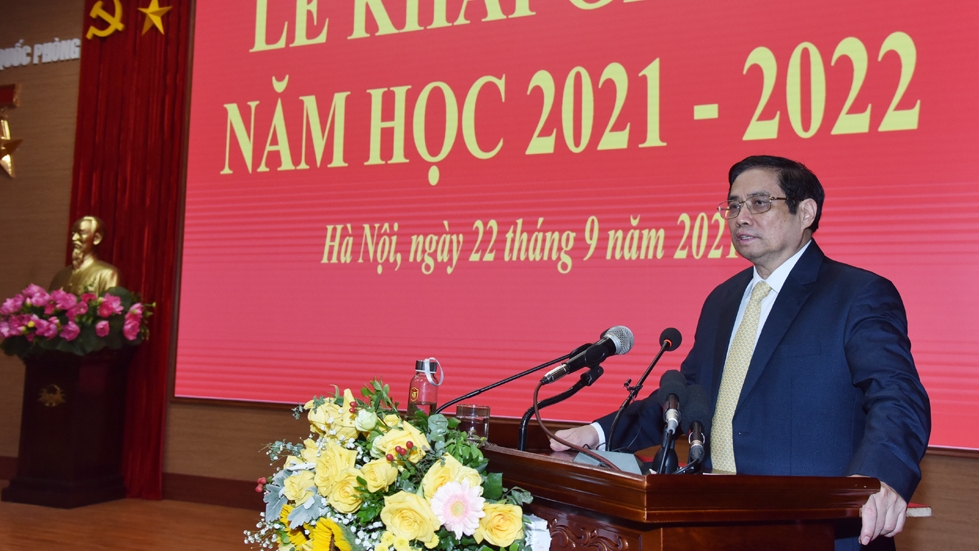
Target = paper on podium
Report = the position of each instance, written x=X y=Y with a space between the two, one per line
x=625 y=461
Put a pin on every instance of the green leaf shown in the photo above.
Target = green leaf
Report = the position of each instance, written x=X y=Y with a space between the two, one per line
x=519 y=496
x=493 y=486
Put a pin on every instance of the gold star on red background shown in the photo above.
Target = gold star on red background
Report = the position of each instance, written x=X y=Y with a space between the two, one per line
x=154 y=14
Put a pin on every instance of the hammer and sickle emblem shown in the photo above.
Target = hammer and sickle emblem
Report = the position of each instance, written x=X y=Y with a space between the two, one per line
x=114 y=20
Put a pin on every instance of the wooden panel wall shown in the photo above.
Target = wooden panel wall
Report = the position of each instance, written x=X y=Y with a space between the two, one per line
x=34 y=206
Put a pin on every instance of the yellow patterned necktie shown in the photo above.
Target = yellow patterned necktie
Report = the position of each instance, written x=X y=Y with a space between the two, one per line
x=735 y=369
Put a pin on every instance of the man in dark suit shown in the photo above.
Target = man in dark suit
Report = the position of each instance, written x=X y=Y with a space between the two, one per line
x=806 y=360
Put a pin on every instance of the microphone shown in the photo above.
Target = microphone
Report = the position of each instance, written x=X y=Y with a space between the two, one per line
x=670 y=340
x=672 y=392
x=615 y=340
x=587 y=378
x=696 y=422
x=491 y=386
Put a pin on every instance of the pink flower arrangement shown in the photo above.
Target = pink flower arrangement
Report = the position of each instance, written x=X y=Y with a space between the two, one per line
x=34 y=321
x=110 y=306
x=70 y=331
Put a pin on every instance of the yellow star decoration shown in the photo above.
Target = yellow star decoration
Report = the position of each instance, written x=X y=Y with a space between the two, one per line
x=7 y=146
x=154 y=14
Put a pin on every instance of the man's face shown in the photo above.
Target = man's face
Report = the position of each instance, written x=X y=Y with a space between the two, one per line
x=770 y=238
x=83 y=236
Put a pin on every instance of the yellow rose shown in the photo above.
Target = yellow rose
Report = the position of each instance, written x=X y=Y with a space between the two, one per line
x=292 y=461
x=310 y=451
x=388 y=443
x=320 y=418
x=391 y=420
x=333 y=460
x=344 y=497
x=409 y=516
x=379 y=474
x=346 y=425
x=502 y=525
x=449 y=470
x=332 y=420
x=299 y=487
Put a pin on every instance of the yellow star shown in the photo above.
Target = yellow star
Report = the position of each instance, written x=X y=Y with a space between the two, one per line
x=7 y=146
x=153 y=16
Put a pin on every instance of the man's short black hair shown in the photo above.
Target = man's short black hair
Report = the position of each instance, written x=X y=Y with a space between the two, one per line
x=796 y=181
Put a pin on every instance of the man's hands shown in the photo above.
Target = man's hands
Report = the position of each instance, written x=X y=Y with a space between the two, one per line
x=883 y=514
x=584 y=436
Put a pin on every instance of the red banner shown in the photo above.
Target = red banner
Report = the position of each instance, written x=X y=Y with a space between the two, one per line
x=494 y=183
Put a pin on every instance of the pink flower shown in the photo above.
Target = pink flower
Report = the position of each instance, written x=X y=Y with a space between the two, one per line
x=64 y=300
x=87 y=297
x=31 y=321
x=5 y=329
x=41 y=327
x=111 y=304
x=102 y=328
x=18 y=324
x=70 y=331
x=459 y=507
x=137 y=310
x=77 y=310
x=130 y=329
x=50 y=308
x=37 y=295
x=12 y=304
x=47 y=328
x=33 y=290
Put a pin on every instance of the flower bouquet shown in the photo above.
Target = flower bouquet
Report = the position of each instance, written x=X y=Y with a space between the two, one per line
x=35 y=321
x=368 y=480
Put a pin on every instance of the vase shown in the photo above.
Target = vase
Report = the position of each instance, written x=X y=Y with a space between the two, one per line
x=71 y=429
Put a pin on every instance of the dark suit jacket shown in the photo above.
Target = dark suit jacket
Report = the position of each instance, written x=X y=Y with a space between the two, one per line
x=831 y=390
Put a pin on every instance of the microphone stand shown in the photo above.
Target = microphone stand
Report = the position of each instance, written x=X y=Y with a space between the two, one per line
x=633 y=392
x=590 y=453
x=586 y=379
x=691 y=467
x=479 y=391
x=666 y=454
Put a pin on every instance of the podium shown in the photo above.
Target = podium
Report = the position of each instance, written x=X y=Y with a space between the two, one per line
x=595 y=508
x=71 y=430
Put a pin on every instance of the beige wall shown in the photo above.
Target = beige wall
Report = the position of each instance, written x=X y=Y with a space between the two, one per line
x=34 y=205
x=950 y=486
x=233 y=438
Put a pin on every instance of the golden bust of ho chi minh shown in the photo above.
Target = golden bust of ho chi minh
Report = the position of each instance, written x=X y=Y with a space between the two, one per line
x=86 y=273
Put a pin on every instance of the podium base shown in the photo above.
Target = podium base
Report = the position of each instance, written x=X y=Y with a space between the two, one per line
x=64 y=495
x=71 y=430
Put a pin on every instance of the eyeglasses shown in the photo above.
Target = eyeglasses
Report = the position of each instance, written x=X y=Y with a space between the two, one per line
x=756 y=205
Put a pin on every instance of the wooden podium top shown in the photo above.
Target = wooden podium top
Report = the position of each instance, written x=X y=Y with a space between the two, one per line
x=658 y=499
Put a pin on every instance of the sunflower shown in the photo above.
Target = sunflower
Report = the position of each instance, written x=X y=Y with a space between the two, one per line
x=326 y=532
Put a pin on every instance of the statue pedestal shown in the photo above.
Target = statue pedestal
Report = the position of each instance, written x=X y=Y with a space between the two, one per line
x=71 y=430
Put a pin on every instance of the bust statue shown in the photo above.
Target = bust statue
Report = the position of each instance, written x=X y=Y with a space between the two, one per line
x=86 y=273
